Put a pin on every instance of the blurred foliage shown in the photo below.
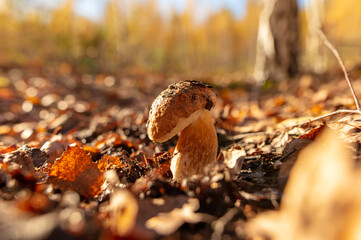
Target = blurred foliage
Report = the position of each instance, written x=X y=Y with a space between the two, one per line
x=342 y=24
x=137 y=35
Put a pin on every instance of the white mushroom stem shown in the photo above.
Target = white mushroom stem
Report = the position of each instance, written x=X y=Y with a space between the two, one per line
x=196 y=147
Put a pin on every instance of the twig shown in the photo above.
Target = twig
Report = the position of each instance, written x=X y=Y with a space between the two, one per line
x=244 y=135
x=337 y=55
x=340 y=111
x=219 y=224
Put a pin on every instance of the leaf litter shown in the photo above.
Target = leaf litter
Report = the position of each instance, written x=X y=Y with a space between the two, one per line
x=75 y=162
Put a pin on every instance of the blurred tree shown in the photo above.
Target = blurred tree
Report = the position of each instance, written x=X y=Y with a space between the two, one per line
x=115 y=35
x=342 y=26
x=7 y=32
x=314 y=46
x=61 y=26
x=221 y=28
x=277 y=42
x=247 y=29
x=178 y=46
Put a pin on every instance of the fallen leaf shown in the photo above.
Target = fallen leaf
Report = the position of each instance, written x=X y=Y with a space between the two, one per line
x=167 y=223
x=233 y=159
x=7 y=149
x=54 y=147
x=151 y=207
x=160 y=165
x=313 y=133
x=109 y=162
x=123 y=211
x=280 y=140
x=320 y=96
x=25 y=158
x=293 y=121
x=279 y=100
x=289 y=156
x=75 y=171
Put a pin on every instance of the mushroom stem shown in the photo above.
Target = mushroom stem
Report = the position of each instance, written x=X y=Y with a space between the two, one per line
x=196 y=147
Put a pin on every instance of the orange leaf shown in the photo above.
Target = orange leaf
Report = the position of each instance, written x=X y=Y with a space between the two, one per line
x=107 y=162
x=313 y=133
x=75 y=170
x=7 y=149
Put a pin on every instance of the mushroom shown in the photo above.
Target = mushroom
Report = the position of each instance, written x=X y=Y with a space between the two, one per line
x=184 y=108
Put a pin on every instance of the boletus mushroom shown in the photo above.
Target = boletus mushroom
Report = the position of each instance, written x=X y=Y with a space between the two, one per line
x=184 y=108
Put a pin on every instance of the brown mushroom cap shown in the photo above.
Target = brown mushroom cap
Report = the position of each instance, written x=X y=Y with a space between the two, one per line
x=178 y=106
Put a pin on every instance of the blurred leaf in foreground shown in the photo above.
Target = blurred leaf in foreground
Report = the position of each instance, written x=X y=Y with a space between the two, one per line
x=123 y=210
x=322 y=199
x=167 y=223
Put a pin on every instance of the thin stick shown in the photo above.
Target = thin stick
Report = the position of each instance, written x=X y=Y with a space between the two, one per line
x=337 y=55
x=341 y=111
x=244 y=135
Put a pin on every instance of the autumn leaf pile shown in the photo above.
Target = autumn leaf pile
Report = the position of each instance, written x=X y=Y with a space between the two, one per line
x=76 y=163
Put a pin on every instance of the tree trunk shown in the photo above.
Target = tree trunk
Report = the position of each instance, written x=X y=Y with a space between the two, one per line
x=277 y=42
x=314 y=47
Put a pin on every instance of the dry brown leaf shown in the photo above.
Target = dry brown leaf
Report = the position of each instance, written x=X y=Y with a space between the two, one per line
x=151 y=207
x=322 y=199
x=25 y=158
x=167 y=223
x=292 y=121
x=75 y=171
x=54 y=147
x=233 y=159
x=161 y=166
x=108 y=162
x=280 y=140
x=289 y=156
x=320 y=96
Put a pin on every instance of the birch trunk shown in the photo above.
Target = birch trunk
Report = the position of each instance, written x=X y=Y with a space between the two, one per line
x=314 y=47
x=277 y=41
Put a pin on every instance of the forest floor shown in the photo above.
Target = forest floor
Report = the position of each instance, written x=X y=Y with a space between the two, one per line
x=76 y=162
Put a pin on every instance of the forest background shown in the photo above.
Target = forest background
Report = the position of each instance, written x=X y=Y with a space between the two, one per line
x=141 y=38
